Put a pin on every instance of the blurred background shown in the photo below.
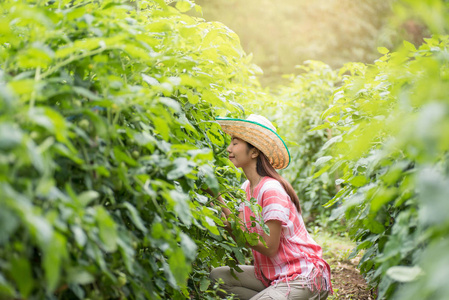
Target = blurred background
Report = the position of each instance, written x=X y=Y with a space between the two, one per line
x=281 y=35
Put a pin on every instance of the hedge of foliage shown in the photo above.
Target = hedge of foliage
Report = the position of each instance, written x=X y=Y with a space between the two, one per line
x=392 y=152
x=106 y=139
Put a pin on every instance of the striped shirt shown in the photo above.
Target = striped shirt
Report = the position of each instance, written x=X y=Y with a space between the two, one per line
x=298 y=256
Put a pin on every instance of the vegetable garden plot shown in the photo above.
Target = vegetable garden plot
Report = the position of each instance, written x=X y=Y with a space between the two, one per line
x=107 y=140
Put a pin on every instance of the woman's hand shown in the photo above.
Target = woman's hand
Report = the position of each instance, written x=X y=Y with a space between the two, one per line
x=209 y=191
x=225 y=209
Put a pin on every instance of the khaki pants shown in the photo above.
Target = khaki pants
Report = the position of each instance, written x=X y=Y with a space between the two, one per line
x=248 y=287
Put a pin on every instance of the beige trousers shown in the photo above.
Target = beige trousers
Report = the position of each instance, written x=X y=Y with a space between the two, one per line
x=248 y=287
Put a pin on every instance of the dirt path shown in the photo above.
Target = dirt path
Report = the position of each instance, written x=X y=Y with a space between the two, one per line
x=347 y=281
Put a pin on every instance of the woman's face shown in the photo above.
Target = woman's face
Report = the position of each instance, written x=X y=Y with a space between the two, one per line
x=239 y=153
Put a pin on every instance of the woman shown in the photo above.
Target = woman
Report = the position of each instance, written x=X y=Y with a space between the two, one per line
x=290 y=266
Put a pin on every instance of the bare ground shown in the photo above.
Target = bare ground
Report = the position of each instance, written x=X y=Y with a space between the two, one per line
x=347 y=281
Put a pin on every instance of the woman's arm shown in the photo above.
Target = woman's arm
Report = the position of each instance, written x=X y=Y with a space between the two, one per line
x=271 y=240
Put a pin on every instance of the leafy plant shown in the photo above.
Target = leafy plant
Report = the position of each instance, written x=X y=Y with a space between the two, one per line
x=106 y=142
x=392 y=152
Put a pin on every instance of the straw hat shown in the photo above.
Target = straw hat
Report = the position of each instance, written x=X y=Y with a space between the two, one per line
x=260 y=133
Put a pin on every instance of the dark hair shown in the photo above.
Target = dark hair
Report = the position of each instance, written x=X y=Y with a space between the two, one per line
x=264 y=168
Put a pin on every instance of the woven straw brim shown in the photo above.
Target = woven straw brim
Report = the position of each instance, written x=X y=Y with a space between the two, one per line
x=261 y=137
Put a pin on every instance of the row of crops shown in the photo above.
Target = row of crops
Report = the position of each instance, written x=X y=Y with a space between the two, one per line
x=380 y=150
x=105 y=142
x=108 y=141
x=392 y=151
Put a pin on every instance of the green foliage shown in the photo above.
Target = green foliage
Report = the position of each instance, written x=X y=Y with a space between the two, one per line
x=107 y=144
x=392 y=119
x=107 y=141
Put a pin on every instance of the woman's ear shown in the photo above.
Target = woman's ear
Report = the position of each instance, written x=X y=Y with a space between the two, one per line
x=254 y=153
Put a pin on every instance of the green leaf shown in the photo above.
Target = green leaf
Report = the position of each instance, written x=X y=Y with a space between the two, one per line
x=322 y=160
x=59 y=125
x=135 y=217
x=78 y=275
x=8 y=223
x=107 y=229
x=36 y=56
x=252 y=238
x=181 y=206
x=208 y=174
x=169 y=276
x=239 y=255
x=121 y=156
x=162 y=127
x=382 y=50
x=320 y=127
x=204 y=284
x=373 y=225
x=86 y=93
x=88 y=196
x=40 y=229
x=210 y=225
x=215 y=136
x=79 y=235
x=184 y=5
x=358 y=180
x=381 y=197
x=182 y=167
x=55 y=253
x=188 y=246
x=22 y=87
x=36 y=156
x=173 y=104
x=157 y=230
x=99 y=122
x=179 y=267
x=409 y=46
x=22 y=275
x=10 y=136
x=75 y=13
x=404 y=273
x=211 y=98
x=6 y=289
x=204 y=154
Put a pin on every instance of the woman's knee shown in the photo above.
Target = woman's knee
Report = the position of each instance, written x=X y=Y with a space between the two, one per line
x=220 y=272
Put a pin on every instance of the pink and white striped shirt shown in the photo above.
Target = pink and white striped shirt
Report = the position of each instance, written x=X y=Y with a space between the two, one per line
x=298 y=256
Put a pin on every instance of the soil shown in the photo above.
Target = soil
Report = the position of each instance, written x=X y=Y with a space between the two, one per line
x=348 y=283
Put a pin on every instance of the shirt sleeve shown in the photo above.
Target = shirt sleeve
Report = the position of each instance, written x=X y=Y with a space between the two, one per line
x=276 y=206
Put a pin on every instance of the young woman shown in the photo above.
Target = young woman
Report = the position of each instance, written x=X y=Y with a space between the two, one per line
x=290 y=266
